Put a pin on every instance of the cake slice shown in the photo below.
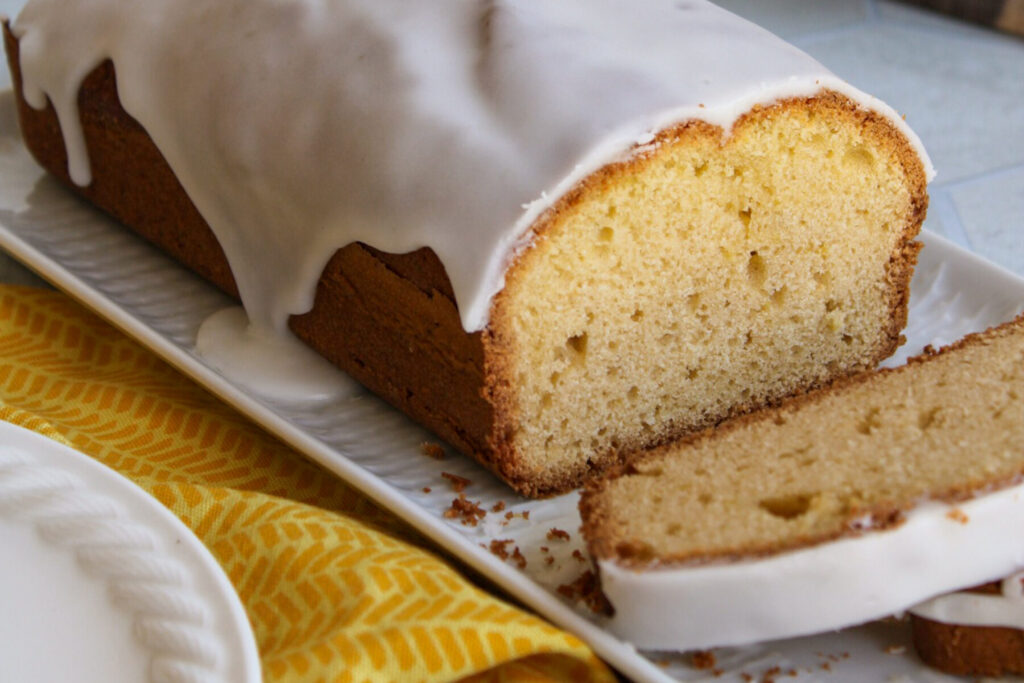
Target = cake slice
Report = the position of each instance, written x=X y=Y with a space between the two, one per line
x=977 y=632
x=553 y=233
x=850 y=503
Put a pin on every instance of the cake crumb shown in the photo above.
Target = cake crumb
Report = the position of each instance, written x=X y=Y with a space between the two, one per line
x=518 y=558
x=510 y=515
x=958 y=515
x=746 y=677
x=834 y=657
x=555 y=533
x=498 y=507
x=462 y=508
x=703 y=659
x=426 y=489
x=458 y=483
x=770 y=675
x=896 y=650
x=549 y=560
x=499 y=547
x=578 y=555
x=663 y=663
x=544 y=549
x=587 y=589
x=432 y=450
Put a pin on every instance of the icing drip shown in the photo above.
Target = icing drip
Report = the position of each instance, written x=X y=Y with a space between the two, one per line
x=299 y=126
x=271 y=364
x=979 y=609
x=939 y=548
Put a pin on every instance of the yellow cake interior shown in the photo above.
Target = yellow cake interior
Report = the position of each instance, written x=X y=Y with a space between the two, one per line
x=947 y=428
x=708 y=275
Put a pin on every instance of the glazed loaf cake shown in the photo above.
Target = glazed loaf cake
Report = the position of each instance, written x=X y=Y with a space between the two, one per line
x=548 y=247
x=850 y=503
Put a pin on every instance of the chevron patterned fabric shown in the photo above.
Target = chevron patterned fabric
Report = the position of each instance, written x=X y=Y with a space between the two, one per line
x=336 y=588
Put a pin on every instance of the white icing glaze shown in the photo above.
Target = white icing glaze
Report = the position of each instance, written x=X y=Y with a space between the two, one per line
x=299 y=126
x=939 y=548
x=268 y=363
x=978 y=609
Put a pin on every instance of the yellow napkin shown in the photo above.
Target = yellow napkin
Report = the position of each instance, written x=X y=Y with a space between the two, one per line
x=336 y=588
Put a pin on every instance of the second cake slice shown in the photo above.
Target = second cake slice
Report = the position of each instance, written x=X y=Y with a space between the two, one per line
x=848 y=504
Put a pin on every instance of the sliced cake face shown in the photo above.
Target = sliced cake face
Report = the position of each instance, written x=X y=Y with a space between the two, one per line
x=709 y=275
x=840 y=462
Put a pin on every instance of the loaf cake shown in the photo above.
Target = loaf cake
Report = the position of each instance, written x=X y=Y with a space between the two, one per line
x=850 y=503
x=978 y=632
x=552 y=233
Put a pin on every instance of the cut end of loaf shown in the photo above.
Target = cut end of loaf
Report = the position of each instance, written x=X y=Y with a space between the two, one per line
x=836 y=462
x=707 y=276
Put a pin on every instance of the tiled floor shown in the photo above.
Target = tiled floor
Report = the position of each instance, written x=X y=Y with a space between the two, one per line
x=960 y=86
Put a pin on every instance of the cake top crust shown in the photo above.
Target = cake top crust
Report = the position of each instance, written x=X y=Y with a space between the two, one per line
x=299 y=126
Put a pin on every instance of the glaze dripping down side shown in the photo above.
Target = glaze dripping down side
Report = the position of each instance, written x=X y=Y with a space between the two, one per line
x=445 y=124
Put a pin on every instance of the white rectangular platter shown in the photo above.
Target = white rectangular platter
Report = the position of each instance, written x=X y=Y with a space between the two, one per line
x=377 y=450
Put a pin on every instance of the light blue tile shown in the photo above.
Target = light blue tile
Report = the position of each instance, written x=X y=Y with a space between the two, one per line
x=792 y=18
x=944 y=219
x=992 y=213
x=900 y=13
x=962 y=90
x=11 y=8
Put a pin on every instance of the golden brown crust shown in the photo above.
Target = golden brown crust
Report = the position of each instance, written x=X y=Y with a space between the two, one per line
x=599 y=530
x=403 y=336
x=968 y=650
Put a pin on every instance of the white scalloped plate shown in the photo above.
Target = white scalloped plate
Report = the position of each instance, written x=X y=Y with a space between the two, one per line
x=100 y=582
x=378 y=450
